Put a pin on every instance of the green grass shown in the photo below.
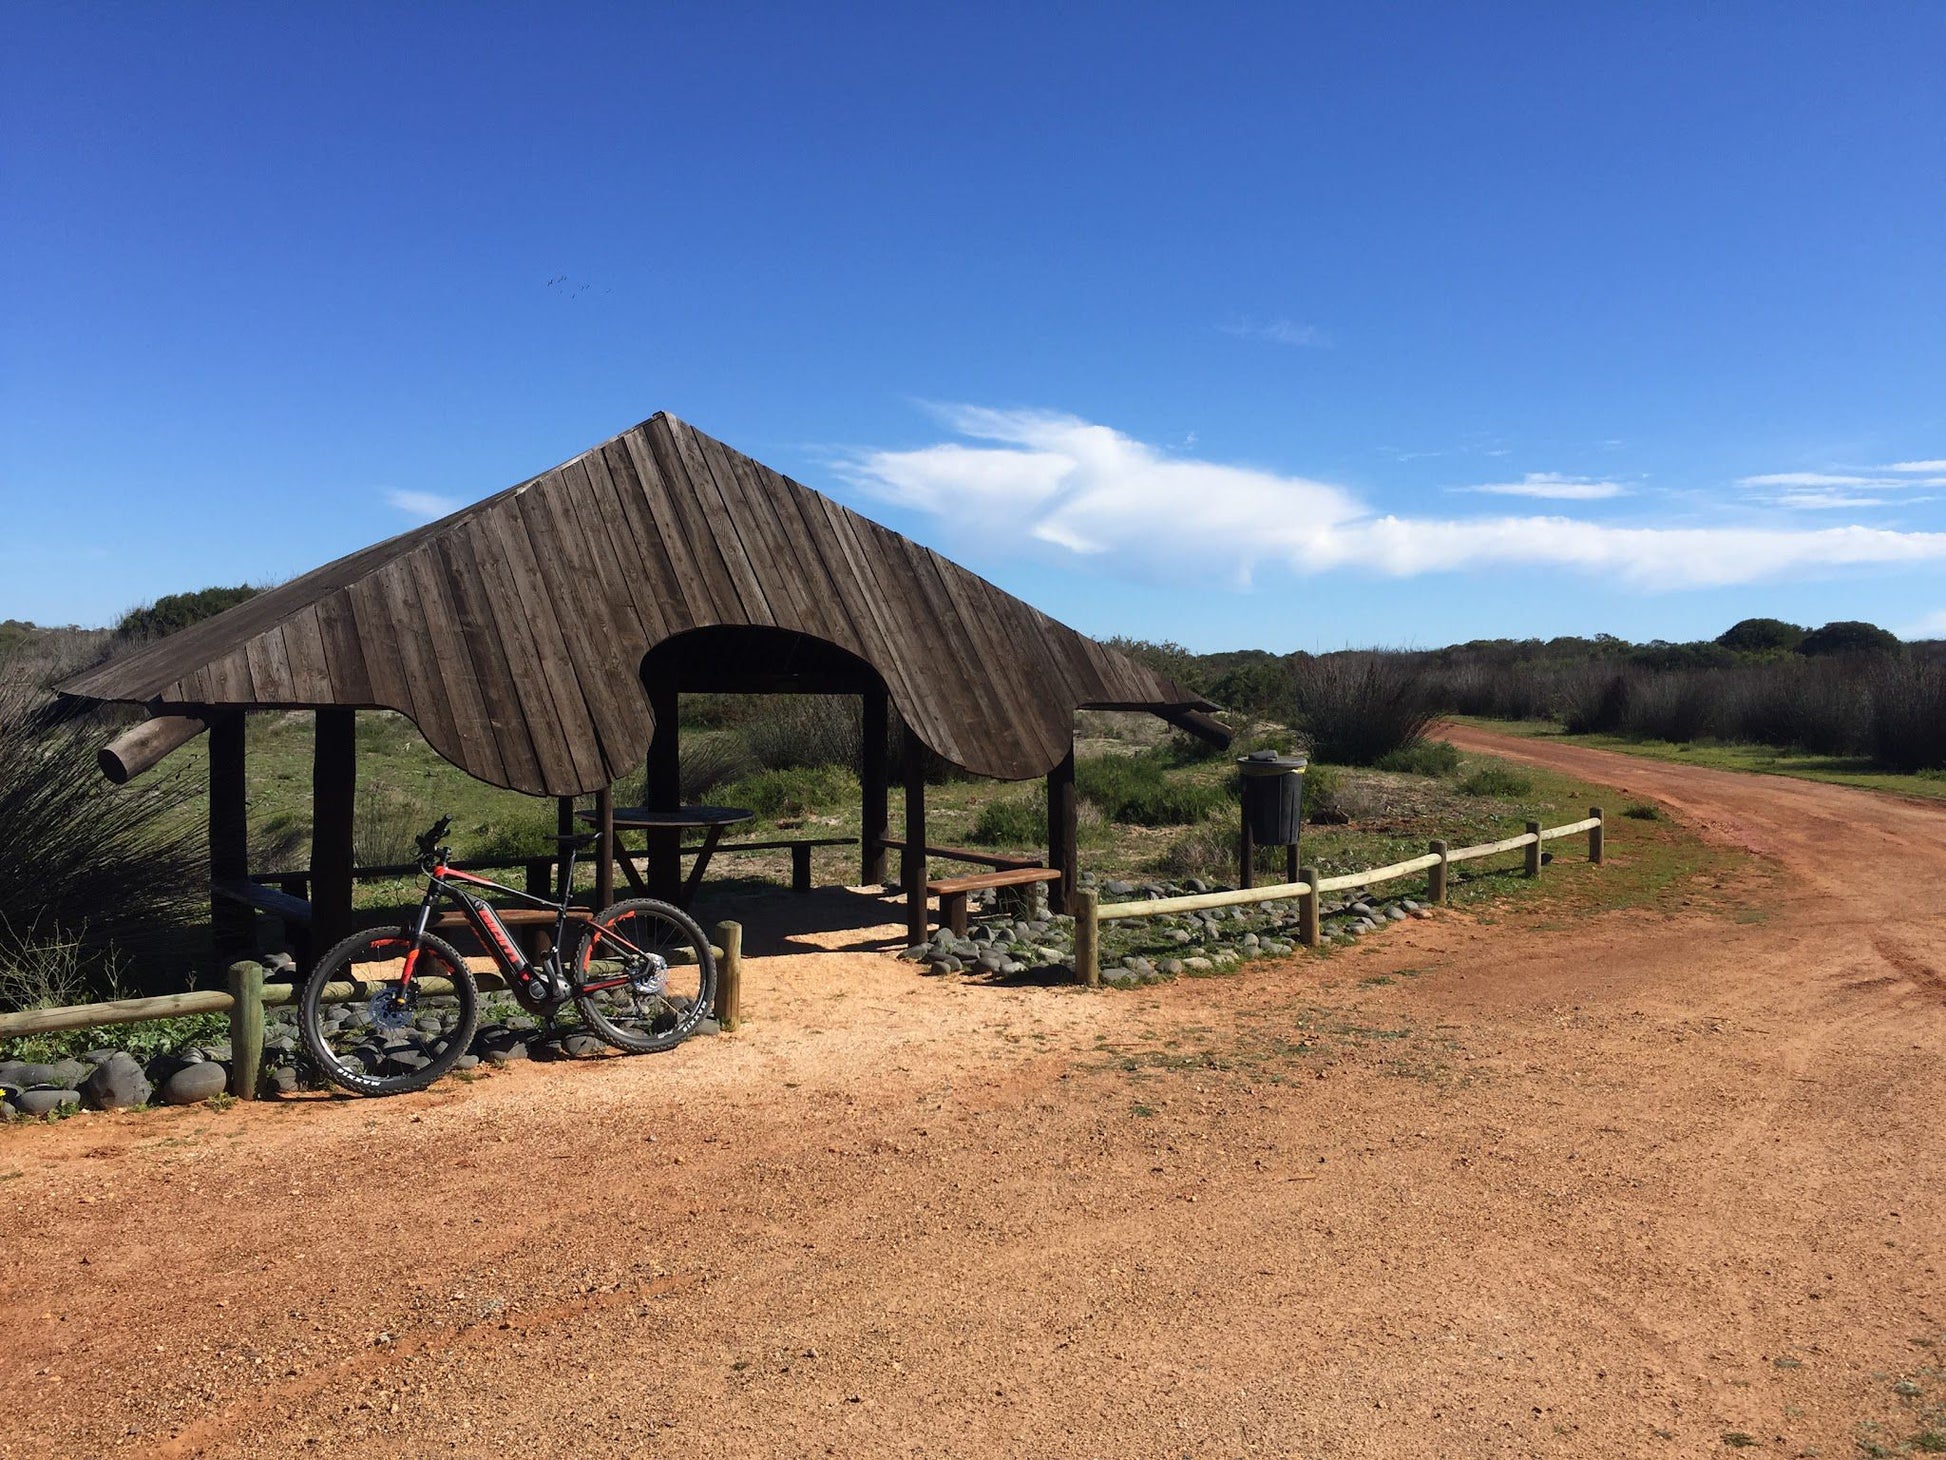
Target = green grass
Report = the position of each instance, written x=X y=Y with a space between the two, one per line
x=1762 y=760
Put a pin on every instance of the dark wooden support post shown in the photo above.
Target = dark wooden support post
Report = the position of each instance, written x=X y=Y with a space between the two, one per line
x=1595 y=849
x=912 y=857
x=229 y=834
x=1437 y=873
x=605 y=848
x=1063 y=831
x=874 y=777
x=662 y=791
x=334 y=797
x=1533 y=865
x=1309 y=907
x=1246 y=856
x=563 y=826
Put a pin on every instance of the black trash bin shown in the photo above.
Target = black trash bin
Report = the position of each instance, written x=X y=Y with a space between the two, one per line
x=1273 y=806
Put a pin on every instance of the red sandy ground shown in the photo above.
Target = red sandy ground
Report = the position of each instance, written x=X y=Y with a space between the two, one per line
x=1620 y=1188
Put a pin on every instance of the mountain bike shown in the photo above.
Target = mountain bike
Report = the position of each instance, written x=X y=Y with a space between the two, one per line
x=391 y=1010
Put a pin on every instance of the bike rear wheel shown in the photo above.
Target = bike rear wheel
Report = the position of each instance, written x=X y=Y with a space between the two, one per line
x=393 y=1035
x=644 y=975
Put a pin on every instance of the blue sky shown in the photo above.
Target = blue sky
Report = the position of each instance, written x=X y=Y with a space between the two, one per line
x=1292 y=326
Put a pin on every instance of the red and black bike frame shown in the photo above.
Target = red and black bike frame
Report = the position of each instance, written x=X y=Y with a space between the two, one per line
x=445 y=885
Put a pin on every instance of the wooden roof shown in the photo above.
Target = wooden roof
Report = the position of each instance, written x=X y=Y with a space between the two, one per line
x=513 y=632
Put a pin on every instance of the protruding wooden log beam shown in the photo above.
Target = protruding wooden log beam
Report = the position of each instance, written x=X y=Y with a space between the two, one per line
x=142 y=746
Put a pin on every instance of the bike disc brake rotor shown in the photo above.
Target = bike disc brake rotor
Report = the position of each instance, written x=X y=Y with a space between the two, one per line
x=392 y=1008
x=648 y=976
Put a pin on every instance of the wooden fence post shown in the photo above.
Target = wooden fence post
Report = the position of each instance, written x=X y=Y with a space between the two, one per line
x=1596 y=851
x=1087 y=937
x=1308 y=908
x=246 y=1028
x=1533 y=850
x=1436 y=874
x=729 y=976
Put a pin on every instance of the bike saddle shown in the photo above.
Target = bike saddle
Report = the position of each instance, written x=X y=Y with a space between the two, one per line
x=579 y=840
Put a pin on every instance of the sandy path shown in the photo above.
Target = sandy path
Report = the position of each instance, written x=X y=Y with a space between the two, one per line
x=1615 y=1189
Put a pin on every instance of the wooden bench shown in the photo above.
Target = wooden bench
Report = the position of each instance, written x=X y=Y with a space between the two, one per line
x=533 y=927
x=952 y=891
x=800 y=850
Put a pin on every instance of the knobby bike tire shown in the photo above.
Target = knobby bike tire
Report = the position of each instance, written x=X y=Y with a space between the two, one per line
x=436 y=957
x=646 y=1023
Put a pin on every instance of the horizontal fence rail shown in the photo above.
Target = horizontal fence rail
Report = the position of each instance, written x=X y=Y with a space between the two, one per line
x=248 y=996
x=1090 y=913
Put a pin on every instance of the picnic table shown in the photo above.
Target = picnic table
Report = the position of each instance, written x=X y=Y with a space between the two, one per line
x=710 y=820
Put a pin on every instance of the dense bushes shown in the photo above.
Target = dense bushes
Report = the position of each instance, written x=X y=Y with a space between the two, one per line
x=1137 y=790
x=91 y=874
x=1357 y=708
x=1909 y=716
x=176 y=611
x=793 y=792
x=1012 y=821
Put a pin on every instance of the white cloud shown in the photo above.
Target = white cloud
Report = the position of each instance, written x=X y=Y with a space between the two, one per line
x=1553 y=486
x=1091 y=490
x=426 y=506
x=1939 y=466
x=1277 y=332
x=1824 y=501
x=1932 y=626
x=1826 y=479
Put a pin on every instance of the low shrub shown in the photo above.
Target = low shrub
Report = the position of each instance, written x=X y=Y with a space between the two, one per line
x=1356 y=708
x=1427 y=758
x=1324 y=795
x=1137 y=791
x=1643 y=811
x=1495 y=780
x=793 y=792
x=1011 y=821
x=794 y=731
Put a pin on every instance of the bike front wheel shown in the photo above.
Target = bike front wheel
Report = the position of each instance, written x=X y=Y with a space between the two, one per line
x=392 y=1034
x=644 y=975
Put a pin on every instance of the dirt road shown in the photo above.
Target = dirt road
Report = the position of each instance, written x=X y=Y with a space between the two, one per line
x=1657 y=1185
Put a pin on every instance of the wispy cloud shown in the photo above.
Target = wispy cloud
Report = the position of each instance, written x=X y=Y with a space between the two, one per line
x=1818 y=500
x=1088 y=489
x=1278 y=332
x=1553 y=486
x=1932 y=626
x=1830 y=479
x=1938 y=465
x=426 y=506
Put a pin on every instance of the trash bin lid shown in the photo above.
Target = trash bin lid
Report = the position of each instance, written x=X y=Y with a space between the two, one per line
x=1270 y=763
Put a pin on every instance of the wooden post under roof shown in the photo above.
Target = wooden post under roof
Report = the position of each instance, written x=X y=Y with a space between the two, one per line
x=605 y=848
x=230 y=922
x=1063 y=830
x=334 y=791
x=912 y=856
x=874 y=776
x=662 y=791
x=564 y=825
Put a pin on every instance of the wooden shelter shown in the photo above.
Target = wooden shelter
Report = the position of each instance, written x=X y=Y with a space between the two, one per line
x=539 y=639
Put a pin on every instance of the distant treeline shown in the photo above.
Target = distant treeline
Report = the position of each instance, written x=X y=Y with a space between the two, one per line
x=1846 y=689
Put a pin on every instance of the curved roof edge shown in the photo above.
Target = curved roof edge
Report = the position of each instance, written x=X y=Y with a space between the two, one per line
x=512 y=632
